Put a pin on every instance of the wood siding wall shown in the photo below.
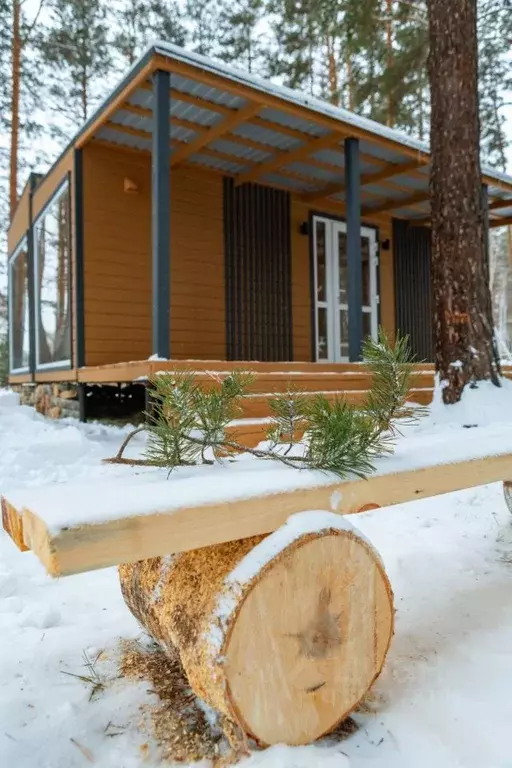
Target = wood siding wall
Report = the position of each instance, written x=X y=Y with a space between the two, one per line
x=117 y=260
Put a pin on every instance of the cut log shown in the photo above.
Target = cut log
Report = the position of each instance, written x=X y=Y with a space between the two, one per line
x=283 y=635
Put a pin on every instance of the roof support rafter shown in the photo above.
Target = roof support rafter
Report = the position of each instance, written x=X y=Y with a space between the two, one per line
x=387 y=172
x=501 y=222
x=285 y=158
x=500 y=203
x=391 y=205
x=215 y=132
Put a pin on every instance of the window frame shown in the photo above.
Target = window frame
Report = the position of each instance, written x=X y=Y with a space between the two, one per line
x=22 y=245
x=63 y=187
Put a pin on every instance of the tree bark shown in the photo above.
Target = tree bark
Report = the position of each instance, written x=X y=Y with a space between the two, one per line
x=15 y=104
x=463 y=328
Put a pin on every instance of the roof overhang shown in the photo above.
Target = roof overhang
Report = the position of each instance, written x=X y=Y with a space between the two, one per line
x=256 y=131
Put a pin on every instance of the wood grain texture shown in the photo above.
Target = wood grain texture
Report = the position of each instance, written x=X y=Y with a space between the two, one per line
x=306 y=638
x=117 y=264
x=85 y=546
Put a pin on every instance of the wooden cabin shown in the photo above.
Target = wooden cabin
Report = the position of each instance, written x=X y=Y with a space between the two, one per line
x=203 y=214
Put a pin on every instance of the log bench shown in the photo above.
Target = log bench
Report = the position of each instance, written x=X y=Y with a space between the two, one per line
x=282 y=616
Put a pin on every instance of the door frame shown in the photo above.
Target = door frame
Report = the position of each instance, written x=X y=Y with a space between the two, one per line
x=373 y=232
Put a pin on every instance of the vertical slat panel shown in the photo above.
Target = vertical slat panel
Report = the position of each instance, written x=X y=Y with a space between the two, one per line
x=413 y=292
x=258 y=273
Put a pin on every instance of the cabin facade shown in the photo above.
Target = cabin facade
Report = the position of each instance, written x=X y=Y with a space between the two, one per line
x=205 y=215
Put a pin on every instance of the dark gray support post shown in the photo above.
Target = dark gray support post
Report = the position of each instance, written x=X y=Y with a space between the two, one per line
x=79 y=259
x=354 y=263
x=31 y=281
x=485 y=212
x=160 y=215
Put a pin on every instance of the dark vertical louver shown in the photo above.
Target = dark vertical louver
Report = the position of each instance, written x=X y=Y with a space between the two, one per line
x=258 y=272
x=413 y=292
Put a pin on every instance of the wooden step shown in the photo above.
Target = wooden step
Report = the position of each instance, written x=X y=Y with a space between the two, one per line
x=255 y=406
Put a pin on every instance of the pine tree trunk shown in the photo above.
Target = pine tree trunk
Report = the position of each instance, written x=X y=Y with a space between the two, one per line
x=15 y=105
x=463 y=326
x=389 y=46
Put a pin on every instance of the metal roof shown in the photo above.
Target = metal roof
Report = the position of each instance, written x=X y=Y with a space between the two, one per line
x=204 y=93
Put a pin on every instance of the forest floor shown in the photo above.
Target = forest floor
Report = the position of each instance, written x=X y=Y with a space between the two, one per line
x=444 y=696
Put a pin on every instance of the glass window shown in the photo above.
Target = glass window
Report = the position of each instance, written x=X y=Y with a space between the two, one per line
x=320 y=261
x=18 y=309
x=53 y=282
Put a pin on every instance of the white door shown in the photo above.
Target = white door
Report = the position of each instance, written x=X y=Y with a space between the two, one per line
x=331 y=287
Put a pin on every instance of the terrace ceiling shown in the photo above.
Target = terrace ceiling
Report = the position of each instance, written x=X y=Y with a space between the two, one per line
x=250 y=129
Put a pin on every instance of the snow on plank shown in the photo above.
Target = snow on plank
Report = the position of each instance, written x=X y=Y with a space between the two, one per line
x=74 y=528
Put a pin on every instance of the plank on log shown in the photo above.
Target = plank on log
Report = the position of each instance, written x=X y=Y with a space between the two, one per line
x=140 y=517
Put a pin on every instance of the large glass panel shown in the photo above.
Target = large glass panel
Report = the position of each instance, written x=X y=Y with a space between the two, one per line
x=323 y=345
x=367 y=324
x=320 y=261
x=344 y=332
x=342 y=261
x=365 y=255
x=18 y=309
x=52 y=233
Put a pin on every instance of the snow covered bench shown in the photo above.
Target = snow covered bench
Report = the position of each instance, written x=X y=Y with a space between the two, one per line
x=283 y=633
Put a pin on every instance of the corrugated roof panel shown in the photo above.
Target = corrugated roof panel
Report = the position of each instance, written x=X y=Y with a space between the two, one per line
x=308 y=127
x=122 y=117
x=110 y=134
x=315 y=173
x=503 y=212
x=331 y=156
x=382 y=191
x=413 y=182
x=142 y=98
x=240 y=151
x=202 y=91
x=217 y=163
x=288 y=181
x=177 y=133
x=265 y=136
x=382 y=153
x=194 y=114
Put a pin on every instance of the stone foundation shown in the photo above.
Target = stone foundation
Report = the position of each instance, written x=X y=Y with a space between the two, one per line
x=53 y=400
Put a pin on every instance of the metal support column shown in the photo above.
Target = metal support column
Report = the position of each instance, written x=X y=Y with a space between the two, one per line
x=354 y=261
x=160 y=216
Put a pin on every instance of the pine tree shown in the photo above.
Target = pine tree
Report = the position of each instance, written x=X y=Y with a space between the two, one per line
x=463 y=326
x=203 y=17
x=139 y=22
x=241 y=36
x=75 y=48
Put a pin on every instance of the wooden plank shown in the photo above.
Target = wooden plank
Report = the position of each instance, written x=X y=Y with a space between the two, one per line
x=290 y=156
x=84 y=546
x=394 y=169
x=215 y=132
x=390 y=205
x=13 y=525
x=501 y=222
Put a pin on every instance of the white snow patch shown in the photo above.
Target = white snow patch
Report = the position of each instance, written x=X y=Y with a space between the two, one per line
x=443 y=699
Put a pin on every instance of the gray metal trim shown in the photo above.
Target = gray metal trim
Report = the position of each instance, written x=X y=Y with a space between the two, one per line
x=160 y=216
x=79 y=257
x=354 y=262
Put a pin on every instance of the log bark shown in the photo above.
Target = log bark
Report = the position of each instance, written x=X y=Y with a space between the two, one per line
x=283 y=635
x=463 y=328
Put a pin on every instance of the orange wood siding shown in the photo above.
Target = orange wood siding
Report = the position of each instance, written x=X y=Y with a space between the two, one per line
x=19 y=224
x=117 y=260
x=197 y=265
x=117 y=256
x=301 y=279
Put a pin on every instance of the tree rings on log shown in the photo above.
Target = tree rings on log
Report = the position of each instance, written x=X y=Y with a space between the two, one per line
x=283 y=634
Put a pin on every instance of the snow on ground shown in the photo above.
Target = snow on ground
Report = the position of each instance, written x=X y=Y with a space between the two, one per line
x=443 y=699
